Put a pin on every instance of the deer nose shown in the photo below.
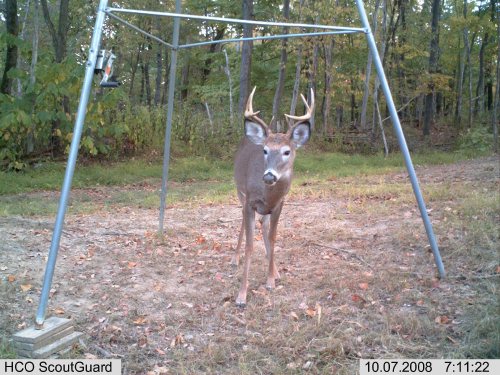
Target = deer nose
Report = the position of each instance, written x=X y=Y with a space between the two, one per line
x=269 y=178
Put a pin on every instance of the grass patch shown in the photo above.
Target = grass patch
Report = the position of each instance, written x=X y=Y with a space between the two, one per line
x=194 y=179
x=6 y=350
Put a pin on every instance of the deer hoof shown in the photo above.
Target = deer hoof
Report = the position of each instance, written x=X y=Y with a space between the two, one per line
x=271 y=284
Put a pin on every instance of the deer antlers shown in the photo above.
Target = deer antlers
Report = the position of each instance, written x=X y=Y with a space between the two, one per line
x=310 y=109
x=252 y=116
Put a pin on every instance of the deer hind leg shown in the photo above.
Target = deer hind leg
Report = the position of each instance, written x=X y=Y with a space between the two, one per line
x=235 y=260
x=270 y=225
x=249 y=220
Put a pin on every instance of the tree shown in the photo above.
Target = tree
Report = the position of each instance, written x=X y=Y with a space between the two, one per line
x=246 y=56
x=12 y=27
x=433 y=65
x=59 y=34
x=59 y=43
x=281 y=76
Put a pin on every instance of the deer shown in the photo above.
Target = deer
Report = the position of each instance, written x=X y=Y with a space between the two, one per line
x=263 y=170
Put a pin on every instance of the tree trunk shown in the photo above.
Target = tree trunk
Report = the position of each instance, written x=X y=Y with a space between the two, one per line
x=21 y=36
x=134 y=69
x=298 y=66
x=368 y=72
x=159 y=71
x=219 y=34
x=246 y=56
x=312 y=70
x=30 y=142
x=382 y=54
x=12 y=27
x=164 y=93
x=147 y=83
x=59 y=37
x=479 y=102
x=469 y=64
x=281 y=76
x=460 y=87
x=227 y=71
x=433 y=65
x=327 y=101
x=496 y=104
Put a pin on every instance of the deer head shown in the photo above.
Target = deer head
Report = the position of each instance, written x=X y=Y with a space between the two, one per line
x=278 y=148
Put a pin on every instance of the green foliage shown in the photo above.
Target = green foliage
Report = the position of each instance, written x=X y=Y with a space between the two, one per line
x=478 y=140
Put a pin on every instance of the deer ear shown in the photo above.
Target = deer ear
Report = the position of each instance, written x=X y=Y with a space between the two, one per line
x=256 y=132
x=300 y=133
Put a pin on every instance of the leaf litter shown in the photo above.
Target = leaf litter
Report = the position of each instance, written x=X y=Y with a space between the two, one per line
x=357 y=281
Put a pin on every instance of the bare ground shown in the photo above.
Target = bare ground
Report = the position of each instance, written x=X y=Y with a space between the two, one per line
x=358 y=279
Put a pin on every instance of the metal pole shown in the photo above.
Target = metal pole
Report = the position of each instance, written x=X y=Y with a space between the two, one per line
x=170 y=109
x=401 y=139
x=70 y=168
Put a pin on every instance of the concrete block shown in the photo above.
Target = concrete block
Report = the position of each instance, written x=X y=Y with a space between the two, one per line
x=54 y=347
x=51 y=326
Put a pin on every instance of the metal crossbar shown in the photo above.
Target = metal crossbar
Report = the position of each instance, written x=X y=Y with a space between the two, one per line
x=334 y=30
x=103 y=10
x=111 y=10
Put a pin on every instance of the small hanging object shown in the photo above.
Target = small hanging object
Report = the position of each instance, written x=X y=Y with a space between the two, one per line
x=106 y=70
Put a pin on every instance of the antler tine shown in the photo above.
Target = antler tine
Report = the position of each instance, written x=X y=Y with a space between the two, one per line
x=249 y=108
x=310 y=109
x=249 y=113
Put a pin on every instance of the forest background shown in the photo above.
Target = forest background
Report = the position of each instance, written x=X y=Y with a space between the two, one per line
x=441 y=58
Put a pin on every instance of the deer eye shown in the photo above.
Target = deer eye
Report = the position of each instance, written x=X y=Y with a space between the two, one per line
x=265 y=152
x=286 y=153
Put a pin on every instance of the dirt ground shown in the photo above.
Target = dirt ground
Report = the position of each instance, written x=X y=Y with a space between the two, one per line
x=358 y=279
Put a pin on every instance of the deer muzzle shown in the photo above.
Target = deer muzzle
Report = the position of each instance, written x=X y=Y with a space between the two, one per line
x=270 y=178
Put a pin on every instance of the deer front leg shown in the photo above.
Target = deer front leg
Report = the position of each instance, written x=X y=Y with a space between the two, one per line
x=270 y=226
x=249 y=220
x=236 y=256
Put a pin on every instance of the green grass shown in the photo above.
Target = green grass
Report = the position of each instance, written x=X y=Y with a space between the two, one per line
x=6 y=350
x=49 y=176
x=35 y=191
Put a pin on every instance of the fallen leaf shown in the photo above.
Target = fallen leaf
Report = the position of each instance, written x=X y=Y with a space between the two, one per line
x=59 y=310
x=357 y=298
x=131 y=264
x=160 y=352
x=140 y=320
x=11 y=278
x=442 y=319
x=363 y=286
x=25 y=287
x=177 y=340
x=143 y=341
x=310 y=312
x=294 y=316
x=201 y=239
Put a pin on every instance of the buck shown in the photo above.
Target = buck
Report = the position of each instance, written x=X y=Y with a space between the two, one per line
x=263 y=169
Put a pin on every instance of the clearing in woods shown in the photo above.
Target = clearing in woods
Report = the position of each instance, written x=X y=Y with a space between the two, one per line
x=358 y=278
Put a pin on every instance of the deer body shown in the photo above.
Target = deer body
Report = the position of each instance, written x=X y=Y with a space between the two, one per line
x=263 y=170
